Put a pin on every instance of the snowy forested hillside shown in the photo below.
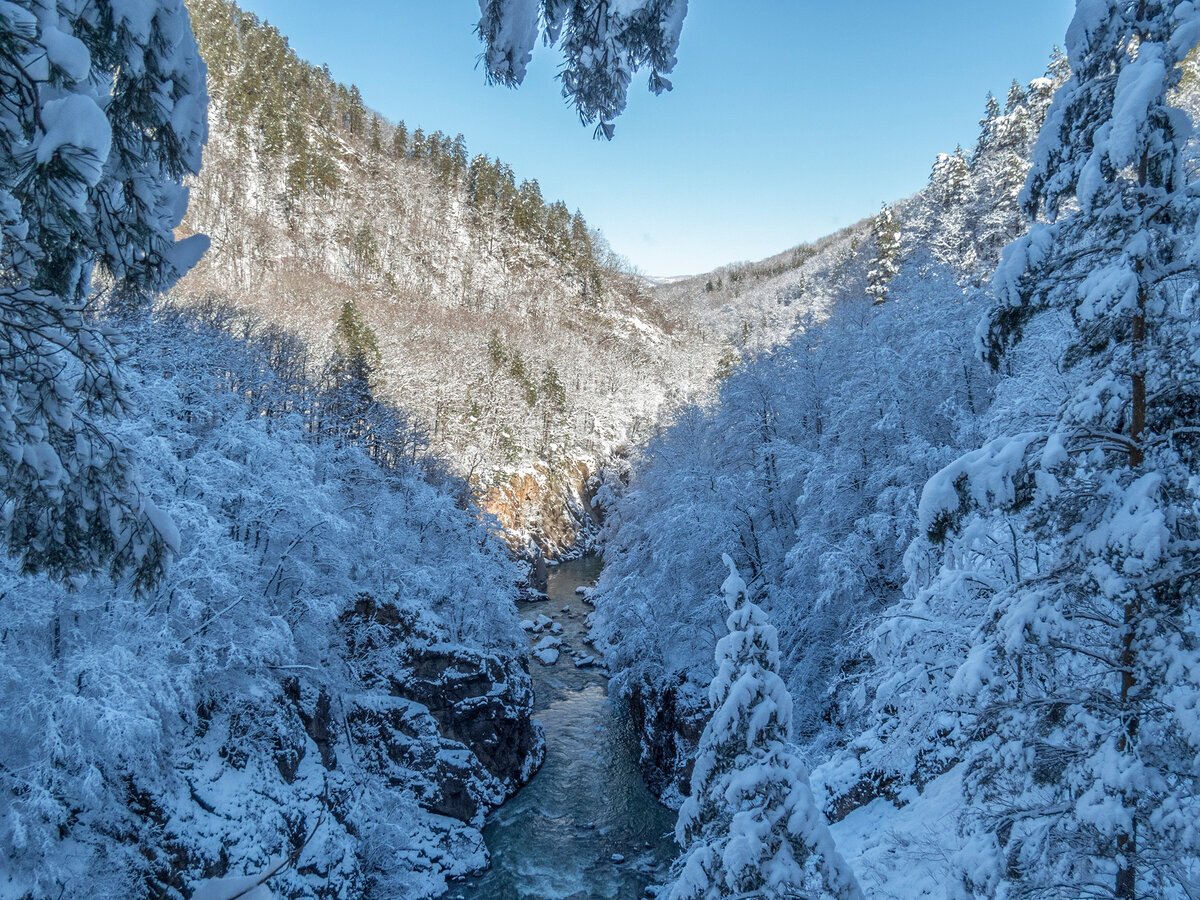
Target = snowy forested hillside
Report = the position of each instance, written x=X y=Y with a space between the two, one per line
x=902 y=620
x=963 y=219
x=505 y=325
x=336 y=643
x=814 y=455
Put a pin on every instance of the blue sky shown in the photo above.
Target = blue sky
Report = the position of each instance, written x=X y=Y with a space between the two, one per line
x=789 y=118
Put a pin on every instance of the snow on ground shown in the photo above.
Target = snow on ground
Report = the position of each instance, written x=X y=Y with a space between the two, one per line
x=904 y=852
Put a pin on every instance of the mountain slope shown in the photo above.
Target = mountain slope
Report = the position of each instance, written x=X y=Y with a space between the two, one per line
x=805 y=468
x=504 y=324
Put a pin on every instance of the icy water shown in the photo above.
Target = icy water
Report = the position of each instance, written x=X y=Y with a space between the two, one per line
x=555 y=840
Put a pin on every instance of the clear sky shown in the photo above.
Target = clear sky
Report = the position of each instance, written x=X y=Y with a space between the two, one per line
x=789 y=118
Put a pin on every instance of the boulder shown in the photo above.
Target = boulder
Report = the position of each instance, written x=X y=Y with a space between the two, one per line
x=484 y=702
x=547 y=656
x=669 y=723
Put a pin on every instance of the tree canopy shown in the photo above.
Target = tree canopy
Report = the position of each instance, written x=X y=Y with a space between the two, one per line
x=103 y=112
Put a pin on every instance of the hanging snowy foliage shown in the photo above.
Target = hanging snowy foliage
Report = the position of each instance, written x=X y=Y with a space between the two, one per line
x=605 y=43
x=102 y=114
x=750 y=827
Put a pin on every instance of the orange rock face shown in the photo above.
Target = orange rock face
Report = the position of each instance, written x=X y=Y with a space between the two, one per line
x=550 y=507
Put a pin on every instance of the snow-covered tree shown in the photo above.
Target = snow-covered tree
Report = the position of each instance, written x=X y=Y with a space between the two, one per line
x=1085 y=668
x=886 y=231
x=605 y=43
x=103 y=112
x=750 y=827
x=150 y=741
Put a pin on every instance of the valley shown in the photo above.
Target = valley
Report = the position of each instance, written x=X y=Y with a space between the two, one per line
x=375 y=530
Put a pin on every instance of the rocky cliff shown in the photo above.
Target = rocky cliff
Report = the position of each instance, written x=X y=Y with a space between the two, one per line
x=378 y=792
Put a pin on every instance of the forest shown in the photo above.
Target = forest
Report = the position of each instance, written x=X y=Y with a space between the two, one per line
x=374 y=529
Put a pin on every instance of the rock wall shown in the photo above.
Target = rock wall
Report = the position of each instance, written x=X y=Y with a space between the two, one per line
x=668 y=723
x=376 y=786
x=548 y=509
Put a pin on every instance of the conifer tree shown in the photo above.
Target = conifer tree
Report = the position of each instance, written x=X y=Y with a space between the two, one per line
x=1016 y=96
x=400 y=141
x=531 y=208
x=102 y=114
x=751 y=827
x=987 y=125
x=347 y=383
x=950 y=177
x=1086 y=668
x=886 y=231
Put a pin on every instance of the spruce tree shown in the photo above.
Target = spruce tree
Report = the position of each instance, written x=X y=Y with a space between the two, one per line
x=988 y=124
x=950 y=178
x=751 y=827
x=400 y=141
x=348 y=394
x=886 y=231
x=102 y=114
x=1085 y=761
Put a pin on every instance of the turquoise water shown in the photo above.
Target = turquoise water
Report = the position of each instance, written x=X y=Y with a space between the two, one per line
x=556 y=838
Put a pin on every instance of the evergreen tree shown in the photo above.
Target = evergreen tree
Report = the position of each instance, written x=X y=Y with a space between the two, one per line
x=1083 y=766
x=558 y=230
x=987 y=125
x=375 y=133
x=729 y=360
x=584 y=250
x=552 y=394
x=400 y=141
x=886 y=231
x=751 y=827
x=531 y=208
x=102 y=114
x=1016 y=96
x=355 y=112
x=347 y=382
x=950 y=178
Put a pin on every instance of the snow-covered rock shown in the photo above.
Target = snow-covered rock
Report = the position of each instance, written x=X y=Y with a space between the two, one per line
x=547 y=656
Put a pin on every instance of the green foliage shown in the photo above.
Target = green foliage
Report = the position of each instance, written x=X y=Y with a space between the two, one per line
x=519 y=372
x=355 y=341
x=497 y=355
x=729 y=361
x=364 y=250
x=553 y=392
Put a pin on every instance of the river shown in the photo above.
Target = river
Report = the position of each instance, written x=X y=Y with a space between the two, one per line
x=586 y=827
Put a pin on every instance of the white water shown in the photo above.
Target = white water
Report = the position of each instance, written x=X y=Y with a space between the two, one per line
x=556 y=838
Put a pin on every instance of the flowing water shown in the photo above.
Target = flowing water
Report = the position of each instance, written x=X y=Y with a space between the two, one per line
x=556 y=839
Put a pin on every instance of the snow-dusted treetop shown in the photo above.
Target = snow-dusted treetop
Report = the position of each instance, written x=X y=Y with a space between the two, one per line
x=604 y=41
